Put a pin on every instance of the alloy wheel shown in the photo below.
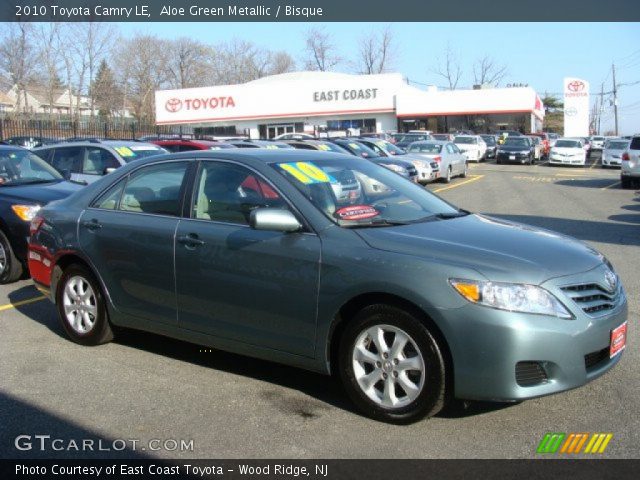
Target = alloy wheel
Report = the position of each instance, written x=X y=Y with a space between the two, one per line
x=388 y=365
x=3 y=259
x=80 y=304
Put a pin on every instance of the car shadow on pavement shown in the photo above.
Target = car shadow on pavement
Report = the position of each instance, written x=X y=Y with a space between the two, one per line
x=627 y=233
x=590 y=183
x=18 y=417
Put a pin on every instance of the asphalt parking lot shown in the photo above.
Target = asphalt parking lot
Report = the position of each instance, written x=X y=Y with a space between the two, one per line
x=144 y=386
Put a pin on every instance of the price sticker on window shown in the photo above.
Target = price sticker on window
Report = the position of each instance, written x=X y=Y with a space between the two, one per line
x=124 y=151
x=307 y=173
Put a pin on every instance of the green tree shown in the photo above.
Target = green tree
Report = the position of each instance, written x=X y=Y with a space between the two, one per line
x=105 y=90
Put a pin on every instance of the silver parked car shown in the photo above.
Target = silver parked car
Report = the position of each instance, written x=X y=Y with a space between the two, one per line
x=87 y=161
x=613 y=151
x=450 y=158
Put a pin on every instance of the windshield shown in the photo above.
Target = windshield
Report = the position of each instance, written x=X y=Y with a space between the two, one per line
x=440 y=136
x=20 y=167
x=516 y=142
x=465 y=140
x=359 y=193
x=568 y=144
x=598 y=139
x=389 y=147
x=617 y=145
x=425 y=148
x=361 y=150
x=413 y=137
x=129 y=153
x=489 y=139
x=330 y=147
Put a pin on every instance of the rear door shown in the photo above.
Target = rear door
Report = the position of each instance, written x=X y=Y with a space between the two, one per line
x=95 y=163
x=128 y=233
x=68 y=159
x=240 y=284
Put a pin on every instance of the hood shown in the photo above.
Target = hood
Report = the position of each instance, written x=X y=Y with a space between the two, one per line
x=513 y=148
x=401 y=161
x=40 y=193
x=468 y=146
x=499 y=250
x=568 y=150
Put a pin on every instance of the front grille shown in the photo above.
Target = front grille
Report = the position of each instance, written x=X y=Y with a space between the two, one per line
x=592 y=298
x=594 y=358
x=529 y=374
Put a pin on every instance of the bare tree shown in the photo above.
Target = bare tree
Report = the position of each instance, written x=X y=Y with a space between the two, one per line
x=320 y=52
x=50 y=60
x=144 y=70
x=487 y=72
x=281 y=62
x=376 y=51
x=18 y=59
x=189 y=63
x=449 y=69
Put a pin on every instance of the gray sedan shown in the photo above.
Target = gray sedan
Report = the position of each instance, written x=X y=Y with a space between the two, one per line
x=452 y=161
x=613 y=151
x=405 y=298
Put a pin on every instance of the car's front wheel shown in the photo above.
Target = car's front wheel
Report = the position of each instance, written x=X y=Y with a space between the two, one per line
x=391 y=365
x=81 y=307
x=11 y=268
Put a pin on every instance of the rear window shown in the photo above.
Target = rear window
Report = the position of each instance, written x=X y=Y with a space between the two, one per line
x=635 y=143
x=129 y=153
x=425 y=148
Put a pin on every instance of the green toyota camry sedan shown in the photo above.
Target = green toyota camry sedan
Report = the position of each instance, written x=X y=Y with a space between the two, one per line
x=409 y=300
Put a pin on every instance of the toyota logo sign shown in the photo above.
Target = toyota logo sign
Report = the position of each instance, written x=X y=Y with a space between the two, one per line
x=173 y=105
x=575 y=86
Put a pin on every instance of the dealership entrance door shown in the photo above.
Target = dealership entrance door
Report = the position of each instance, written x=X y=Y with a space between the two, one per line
x=275 y=130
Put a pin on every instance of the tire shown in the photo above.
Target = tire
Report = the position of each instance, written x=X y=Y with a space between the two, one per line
x=11 y=268
x=422 y=351
x=465 y=171
x=447 y=179
x=92 y=328
x=625 y=182
x=498 y=161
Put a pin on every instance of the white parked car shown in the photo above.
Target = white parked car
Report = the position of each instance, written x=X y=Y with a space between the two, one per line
x=597 y=142
x=613 y=151
x=473 y=147
x=630 y=170
x=451 y=161
x=568 y=151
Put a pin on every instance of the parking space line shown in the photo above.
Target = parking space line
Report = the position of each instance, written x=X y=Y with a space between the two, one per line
x=612 y=185
x=9 y=306
x=473 y=179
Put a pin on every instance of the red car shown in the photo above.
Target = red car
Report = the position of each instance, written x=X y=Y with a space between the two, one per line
x=187 y=145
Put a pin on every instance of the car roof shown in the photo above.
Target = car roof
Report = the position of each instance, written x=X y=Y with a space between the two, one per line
x=431 y=142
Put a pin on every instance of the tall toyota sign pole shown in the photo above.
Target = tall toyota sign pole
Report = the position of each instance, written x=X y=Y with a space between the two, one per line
x=576 y=107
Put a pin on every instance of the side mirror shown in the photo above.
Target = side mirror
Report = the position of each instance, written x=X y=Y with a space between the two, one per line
x=274 y=219
x=109 y=170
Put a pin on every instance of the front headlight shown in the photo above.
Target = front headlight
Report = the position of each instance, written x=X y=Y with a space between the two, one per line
x=395 y=168
x=25 y=212
x=513 y=297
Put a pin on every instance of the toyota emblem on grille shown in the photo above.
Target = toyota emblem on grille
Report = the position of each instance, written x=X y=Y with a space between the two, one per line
x=610 y=280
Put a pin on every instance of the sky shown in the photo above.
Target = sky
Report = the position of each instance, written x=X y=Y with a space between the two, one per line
x=538 y=54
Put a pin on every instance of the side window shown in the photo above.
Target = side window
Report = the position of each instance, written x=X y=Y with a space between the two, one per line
x=450 y=148
x=98 y=160
x=227 y=193
x=109 y=200
x=455 y=148
x=155 y=189
x=187 y=148
x=171 y=148
x=68 y=159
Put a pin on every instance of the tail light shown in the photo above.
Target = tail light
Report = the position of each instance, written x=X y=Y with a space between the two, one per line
x=35 y=224
x=625 y=156
x=438 y=159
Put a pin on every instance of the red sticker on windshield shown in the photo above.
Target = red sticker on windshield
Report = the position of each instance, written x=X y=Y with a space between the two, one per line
x=356 y=212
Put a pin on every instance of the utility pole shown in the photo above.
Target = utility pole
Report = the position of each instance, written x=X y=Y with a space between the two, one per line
x=615 y=97
x=601 y=107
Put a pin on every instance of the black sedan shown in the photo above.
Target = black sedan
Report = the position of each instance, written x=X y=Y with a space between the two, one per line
x=516 y=150
x=26 y=184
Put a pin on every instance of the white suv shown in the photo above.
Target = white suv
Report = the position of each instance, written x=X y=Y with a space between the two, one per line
x=630 y=170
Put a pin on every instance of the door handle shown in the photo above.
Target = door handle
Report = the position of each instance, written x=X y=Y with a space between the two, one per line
x=190 y=240
x=92 y=224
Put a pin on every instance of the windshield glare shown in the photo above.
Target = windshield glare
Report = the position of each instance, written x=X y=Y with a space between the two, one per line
x=516 y=142
x=617 y=145
x=425 y=148
x=355 y=192
x=568 y=144
x=19 y=167
x=129 y=153
x=465 y=140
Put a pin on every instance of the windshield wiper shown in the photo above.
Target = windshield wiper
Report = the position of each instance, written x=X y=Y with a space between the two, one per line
x=29 y=182
x=378 y=222
x=447 y=216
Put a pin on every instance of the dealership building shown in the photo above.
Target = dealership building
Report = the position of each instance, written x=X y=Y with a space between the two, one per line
x=316 y=102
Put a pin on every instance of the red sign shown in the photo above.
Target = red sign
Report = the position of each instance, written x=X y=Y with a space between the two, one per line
x=356 y=212
x=174 y=105
x=618 y=340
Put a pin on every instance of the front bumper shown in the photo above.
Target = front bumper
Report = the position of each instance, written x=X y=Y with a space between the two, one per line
x=567 y=160
x=489 y=344
x=512 y=157
x=610 y=160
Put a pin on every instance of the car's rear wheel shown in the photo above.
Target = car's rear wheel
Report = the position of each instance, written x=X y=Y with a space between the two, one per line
x=391 y=365
x=11 y=269
x=81 y=307
x=465 y=172
x=447 y=178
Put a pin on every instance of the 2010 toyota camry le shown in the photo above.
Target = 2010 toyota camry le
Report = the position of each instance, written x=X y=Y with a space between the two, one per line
x=409 y=300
